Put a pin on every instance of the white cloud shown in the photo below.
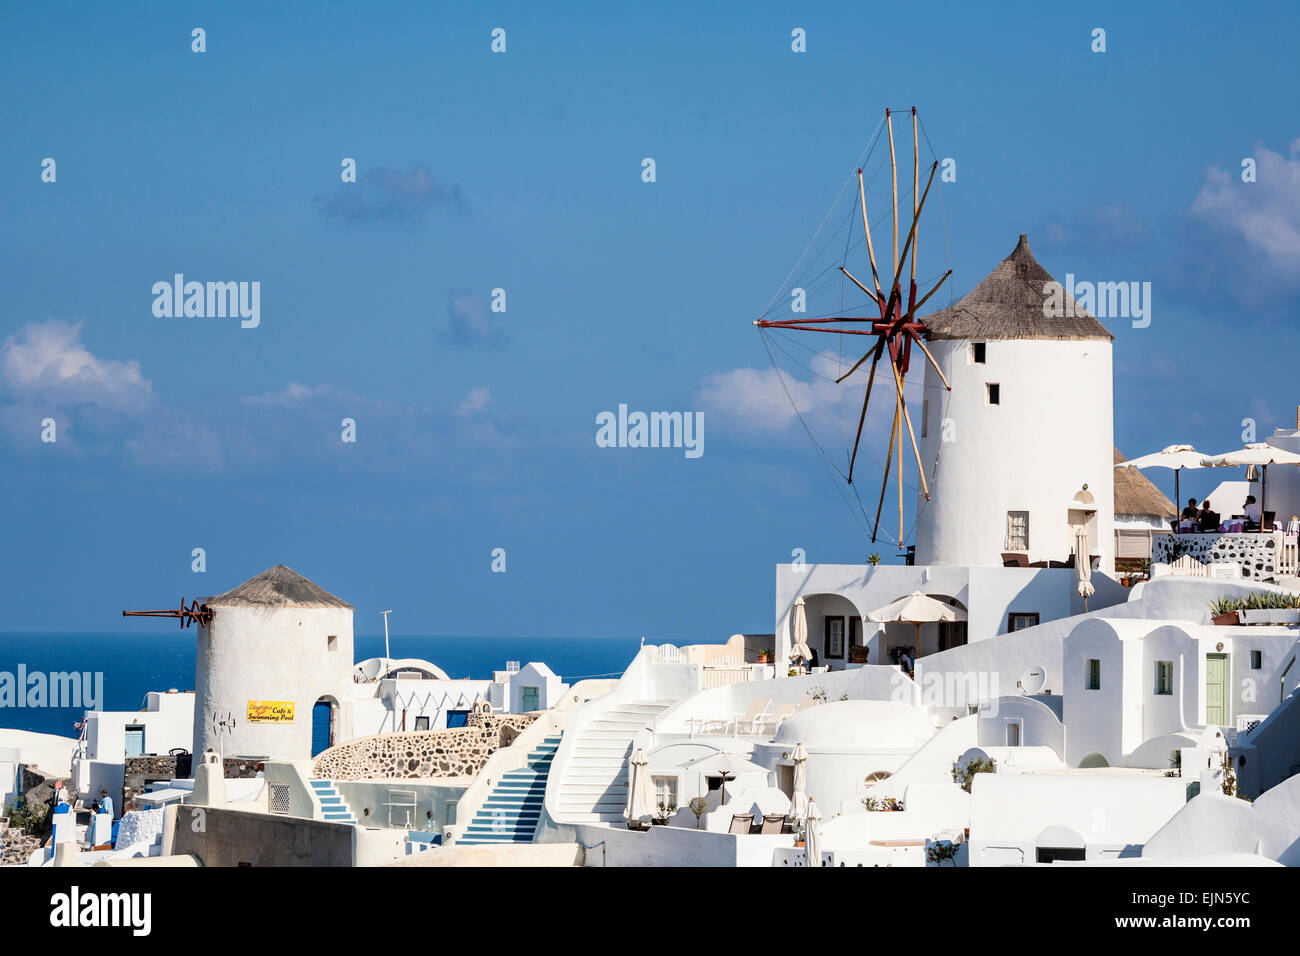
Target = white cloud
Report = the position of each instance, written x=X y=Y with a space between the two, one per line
x=754 y=399
x=477 y=400
x=1265 y=213
x=46 y=361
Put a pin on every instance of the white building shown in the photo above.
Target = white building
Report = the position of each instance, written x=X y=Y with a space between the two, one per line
x=1024 y=441
x=277 y=646
x=165 y=724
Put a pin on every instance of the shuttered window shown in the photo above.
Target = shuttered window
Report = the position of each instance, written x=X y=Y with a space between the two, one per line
x=1017 y=531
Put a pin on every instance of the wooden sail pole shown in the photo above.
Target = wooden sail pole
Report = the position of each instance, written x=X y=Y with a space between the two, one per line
x=943 y=378
x=893 y=175
x=898 y=384
x=866 y=226
x=885 y=484
x=865 y=398
x=899 y=456
x=916 y=185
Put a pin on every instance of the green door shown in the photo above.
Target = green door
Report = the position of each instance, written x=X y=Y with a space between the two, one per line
x=1216 y=689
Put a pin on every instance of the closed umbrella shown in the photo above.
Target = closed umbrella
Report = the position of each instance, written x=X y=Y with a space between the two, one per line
x=812 y=840
x=799 y=801
x=1083 y=564
x=1256 y=453
x=1176 y=457
x=799 y=649
x=640 y=801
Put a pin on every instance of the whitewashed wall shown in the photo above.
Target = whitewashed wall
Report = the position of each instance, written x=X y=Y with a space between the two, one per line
x=1051 y=434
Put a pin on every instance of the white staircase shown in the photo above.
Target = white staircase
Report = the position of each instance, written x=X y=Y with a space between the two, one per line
x=593 y=785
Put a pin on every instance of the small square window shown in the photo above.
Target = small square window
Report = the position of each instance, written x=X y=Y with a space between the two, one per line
x=977 y=353
x=994 y=393
x=1164 y=677
x=332 y=642
x=1256 y=660
x=1094 y=674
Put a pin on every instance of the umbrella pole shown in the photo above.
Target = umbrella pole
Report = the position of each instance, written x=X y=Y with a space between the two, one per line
x=1178 y=498
x=1263 y=494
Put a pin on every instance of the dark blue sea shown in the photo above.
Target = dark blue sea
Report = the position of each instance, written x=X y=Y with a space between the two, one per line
x=133 y=665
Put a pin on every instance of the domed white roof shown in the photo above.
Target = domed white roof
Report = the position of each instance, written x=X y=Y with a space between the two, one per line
x=858 y=725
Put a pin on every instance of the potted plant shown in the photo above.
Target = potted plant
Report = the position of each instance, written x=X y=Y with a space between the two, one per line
x=697 y=806
x=873 y=559
x=891 y=804
x=765 y=656
x=858 y=654
x=665 y=811
x=1224 y=611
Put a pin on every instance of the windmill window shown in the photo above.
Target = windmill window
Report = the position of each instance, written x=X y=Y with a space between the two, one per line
x=977 y=353
x=925 y=417
x=1256 y=660
x=994 y=393
x=332 y=642
x=1094 y=674
x=1017 y=531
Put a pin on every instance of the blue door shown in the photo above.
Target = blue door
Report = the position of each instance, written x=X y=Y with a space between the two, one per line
x=321 y=714
x=134 y=741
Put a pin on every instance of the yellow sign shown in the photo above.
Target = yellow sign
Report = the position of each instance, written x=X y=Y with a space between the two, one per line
x=270 y=712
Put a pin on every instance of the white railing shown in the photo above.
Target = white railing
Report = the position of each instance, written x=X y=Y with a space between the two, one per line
x=670 y=654
x=726 y=674
x=1190 y=567
x=1288 y=556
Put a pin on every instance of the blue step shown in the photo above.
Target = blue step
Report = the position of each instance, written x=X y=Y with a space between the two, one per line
x=513 y=808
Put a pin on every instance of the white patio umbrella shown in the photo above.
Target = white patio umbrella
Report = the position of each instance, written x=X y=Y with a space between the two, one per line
x=917 y=609
x=799 y=648
x=799 y=801
x=640 y=801
x=812 y=840
x=1083 y=564
x=1176 y=457
x=724 y=765
x=1257 y=453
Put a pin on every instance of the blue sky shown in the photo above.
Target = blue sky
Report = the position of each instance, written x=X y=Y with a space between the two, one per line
x=522 y=171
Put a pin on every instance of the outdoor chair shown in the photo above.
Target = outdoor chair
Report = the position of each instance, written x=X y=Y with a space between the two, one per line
x=772 y=823
x=741 y=824
x=769 y=723
x=727 y=724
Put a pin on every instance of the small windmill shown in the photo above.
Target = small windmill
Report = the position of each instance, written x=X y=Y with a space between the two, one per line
x=895 y=328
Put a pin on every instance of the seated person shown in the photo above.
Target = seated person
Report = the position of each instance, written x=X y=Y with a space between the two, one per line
x=1254 y=516
x=1209 y=519
x=1190 y=511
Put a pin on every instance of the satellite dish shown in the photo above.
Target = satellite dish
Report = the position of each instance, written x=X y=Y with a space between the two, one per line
x=1032 y=680
x=369 y=670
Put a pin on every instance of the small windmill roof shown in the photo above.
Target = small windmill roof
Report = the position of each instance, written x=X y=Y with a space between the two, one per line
x=279 y=586
x=1136 y=495
x=1009 y=304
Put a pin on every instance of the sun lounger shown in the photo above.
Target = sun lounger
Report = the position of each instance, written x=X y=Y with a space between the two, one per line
x=741 y=824
x=756 y=710
x=768 y=723
x=772 y=823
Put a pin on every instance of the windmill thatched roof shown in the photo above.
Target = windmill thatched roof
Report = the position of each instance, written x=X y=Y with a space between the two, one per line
x=278 y=587
x=1009 y=304
x=1135 y=495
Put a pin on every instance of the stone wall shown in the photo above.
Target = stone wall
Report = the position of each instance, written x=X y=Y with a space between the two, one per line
x=1255 y=554
x=460 y=752
x=142 y=771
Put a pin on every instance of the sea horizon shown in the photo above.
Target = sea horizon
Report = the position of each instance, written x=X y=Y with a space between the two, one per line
x=129 y=674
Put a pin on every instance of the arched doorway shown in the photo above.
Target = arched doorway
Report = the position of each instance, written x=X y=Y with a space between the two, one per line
x=322 y=725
